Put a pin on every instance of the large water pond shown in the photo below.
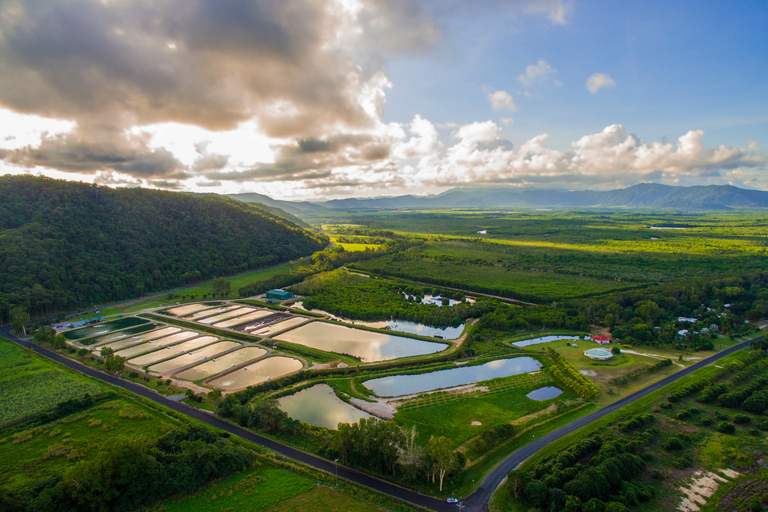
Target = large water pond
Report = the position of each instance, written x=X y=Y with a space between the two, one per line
x=320 y=406
x=278 y=326
x=543 y=339
x=221 y=363
x=368 y=346
x=545 y=393
x=255 y=373
x=120 y=335
x=226 y=316
x=210 y=312
x=149 y=346
x=193 y=357
x=103 y=328
x=175 y=350
x=399 y=385
x=139 y=338
x=186 y=309
x=261 y=313
x=448 y=333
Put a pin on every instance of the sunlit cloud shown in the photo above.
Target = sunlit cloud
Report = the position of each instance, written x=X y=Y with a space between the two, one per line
x=599 y=81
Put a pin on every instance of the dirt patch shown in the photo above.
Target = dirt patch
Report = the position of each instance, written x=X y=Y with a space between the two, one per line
x=588 y=373
x=476 y=424
x=383 y=410
x=702 y=486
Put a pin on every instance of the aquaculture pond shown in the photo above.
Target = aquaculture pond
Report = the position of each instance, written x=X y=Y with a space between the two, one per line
x=226 y=315
x=175 y=350
x=270 y=329
x=399 y=385
x=193 y=357
x=366 y=345
x=187 y=309
x=545 y=393
x=543 y=339
x=210 y=312
x=148 y=346
x=140 y=338
x=319 y=406
x=220 y=363
x=260 y=313
x=448 y=333
x=103 y=328
x=254 y=373
x=120 y=334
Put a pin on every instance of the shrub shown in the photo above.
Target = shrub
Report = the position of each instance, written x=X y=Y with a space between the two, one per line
x=741 y=419
x=82 y=352
x=726 y=427
x=683 y=462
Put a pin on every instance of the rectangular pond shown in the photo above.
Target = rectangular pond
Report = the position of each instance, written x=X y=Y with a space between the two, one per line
x=318 y=405
x=543 y=339
x=187 y=309
x=261 y=313
x=104 y=328
x=221 y=363
x=366 y=345
x=193 y=357
x=140 y=338
x=255 y=373
x=278 y=326
x=155 y=344
x=173 y=351
x=399 y=385
x=210 y=312
x=227 y=315
x=127 y=333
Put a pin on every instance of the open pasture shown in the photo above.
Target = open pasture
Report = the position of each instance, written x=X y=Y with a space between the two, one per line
x=221 y=363
x=255 y=373
x=192 y=357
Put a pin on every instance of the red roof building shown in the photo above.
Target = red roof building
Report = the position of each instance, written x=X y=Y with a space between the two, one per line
x=601 y=340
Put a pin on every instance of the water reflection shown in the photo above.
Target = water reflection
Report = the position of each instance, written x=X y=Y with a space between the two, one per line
x=221 y=363
x=545 y=393
x=260 y=371
x=368 y=346
x=543 y=339
x=398 y=385
x=320 y=406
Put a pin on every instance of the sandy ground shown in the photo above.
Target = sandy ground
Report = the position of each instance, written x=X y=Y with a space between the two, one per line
x=382 y=409
x=703 y=485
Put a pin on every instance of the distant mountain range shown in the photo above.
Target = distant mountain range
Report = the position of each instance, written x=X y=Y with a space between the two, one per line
x=646 y=195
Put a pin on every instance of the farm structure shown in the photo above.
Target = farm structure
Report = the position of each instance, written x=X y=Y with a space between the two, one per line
x=279 y=295
x=598 y=354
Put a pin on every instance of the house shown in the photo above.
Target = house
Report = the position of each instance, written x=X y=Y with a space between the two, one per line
x=279 y=295
x=601 y=340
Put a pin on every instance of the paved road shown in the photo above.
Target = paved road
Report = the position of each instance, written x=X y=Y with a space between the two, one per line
x=477 y=501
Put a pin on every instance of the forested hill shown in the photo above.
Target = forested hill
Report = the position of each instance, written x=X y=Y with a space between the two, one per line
x=64 y=245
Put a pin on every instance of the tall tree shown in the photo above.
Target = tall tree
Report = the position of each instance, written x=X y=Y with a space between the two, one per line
x=441 y=456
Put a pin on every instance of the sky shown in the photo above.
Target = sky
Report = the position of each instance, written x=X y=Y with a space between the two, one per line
x=310 y=99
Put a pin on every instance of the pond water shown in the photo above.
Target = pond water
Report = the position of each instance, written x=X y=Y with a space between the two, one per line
x=260 y=313
x=221 y=363
x=399 y=385
x=545 y=393
x=120 y=335
x=139 y=338
x=193 y=357
x=255 y=373
x=155 y=344
x=368 y=346
x=225 y=316
x=448 y=333
x=175 y=350
x=278 y=326
x=210 y=312
x=320 y=406
x=543 y=339
x=186 y=309
x=103 y=328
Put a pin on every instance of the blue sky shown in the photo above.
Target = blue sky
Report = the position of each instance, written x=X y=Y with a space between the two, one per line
x=306 y=99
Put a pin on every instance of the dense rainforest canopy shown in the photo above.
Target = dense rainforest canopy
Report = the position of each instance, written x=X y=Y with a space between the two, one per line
x=64 y=245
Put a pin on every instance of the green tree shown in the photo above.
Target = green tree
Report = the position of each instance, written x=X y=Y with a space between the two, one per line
x=19 y=320
x=44 y=335
x=115 y=363
x=59 y=342
x=106 y=353
x=221 y=285
x=442 y=458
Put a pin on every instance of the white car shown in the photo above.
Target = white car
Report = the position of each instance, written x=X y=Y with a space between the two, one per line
x=452 y=500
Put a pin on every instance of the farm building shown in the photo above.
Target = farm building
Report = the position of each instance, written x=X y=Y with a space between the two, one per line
x=601 y=340
x=278 y=295
x=598 y=354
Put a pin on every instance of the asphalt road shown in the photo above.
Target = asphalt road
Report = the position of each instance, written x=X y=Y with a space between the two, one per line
x=477 y=501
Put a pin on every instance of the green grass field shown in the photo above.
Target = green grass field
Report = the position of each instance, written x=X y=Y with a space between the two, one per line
x=30 y=384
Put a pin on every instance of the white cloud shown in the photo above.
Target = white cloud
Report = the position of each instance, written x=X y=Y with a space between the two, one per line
x=599 y=81
x=536 y=73
x=753 y=145
x=507 y=121
x=501 y=100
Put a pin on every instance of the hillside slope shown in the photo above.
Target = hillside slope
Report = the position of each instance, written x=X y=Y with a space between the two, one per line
x=65 y=245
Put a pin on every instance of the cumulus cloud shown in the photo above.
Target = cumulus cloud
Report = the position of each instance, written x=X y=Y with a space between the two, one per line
x=599 y=81
x=501 y=100
x=536 y=73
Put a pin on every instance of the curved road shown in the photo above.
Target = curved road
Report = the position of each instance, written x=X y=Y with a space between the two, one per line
x=477 y=501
